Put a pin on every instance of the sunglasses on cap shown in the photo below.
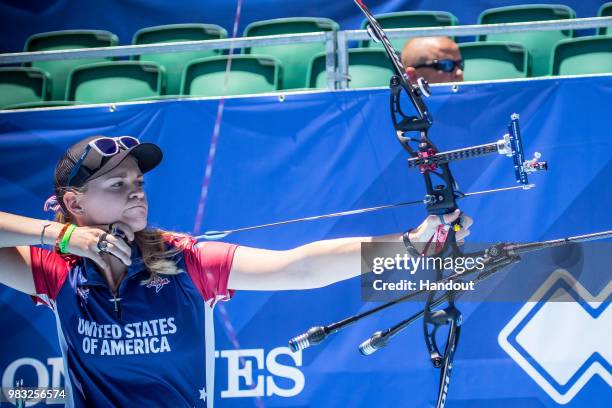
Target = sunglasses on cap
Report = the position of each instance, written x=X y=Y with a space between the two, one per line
x=104 y=147
x=444 y=65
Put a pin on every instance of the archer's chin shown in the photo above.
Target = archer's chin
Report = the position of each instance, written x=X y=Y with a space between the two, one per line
x=137 y=222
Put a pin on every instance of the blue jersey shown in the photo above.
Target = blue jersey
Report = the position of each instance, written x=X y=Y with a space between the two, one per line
x=144 y=347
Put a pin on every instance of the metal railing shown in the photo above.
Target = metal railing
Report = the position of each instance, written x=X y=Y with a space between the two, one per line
x=460 y=31
x=329 y=38
x=336 y=43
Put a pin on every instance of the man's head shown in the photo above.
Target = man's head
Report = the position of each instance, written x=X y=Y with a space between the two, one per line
x=436 y=59
x=99 y=180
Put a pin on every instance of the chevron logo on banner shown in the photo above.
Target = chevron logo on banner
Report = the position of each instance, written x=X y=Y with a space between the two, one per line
x=561 y=344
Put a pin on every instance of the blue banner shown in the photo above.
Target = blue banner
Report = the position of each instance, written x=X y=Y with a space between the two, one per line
x=321 y=152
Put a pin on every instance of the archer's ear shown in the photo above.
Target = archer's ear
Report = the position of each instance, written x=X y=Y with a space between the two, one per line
x=72 y=203
x=411 y=72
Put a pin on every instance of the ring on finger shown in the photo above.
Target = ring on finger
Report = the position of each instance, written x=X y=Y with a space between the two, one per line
x=103 y=243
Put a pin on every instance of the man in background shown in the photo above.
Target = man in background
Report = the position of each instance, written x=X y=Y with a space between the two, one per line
x=436 y=59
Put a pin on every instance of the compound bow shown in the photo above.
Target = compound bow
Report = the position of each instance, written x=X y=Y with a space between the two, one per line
x=440 y=198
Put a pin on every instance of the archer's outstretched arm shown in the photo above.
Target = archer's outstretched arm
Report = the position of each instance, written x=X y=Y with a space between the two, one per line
x=319 y=263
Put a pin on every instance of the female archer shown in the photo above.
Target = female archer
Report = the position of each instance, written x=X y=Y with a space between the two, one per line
x=129 y=300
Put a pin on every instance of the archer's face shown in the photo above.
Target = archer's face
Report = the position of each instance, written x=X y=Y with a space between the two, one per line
x=117 y=196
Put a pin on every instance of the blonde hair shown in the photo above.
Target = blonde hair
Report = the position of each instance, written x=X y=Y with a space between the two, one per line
x=151 y=242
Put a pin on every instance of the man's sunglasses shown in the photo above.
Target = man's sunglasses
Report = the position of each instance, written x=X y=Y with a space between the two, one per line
x=105 y=147
x=445 y=65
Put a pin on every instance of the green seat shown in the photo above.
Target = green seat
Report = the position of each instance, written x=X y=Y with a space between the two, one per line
x=605 y=11
x=538 y=43
x=64 y=40
x=317 y=74
x=116 y=81
x=40 y=104
x=368 y=67
x=175 y=62
x=23 y=85
x=494 y=60
x=584 y=55
x=409 y=19
x=250 y=74
x=295 y=58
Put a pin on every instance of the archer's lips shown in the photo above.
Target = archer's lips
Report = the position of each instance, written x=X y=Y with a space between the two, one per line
x=138 y=207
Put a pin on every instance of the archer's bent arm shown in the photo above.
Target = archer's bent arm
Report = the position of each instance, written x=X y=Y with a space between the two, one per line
x=309 y=266
x=17 y=233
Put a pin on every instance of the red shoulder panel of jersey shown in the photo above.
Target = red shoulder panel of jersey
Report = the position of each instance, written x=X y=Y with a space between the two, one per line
x=49 y=271
x=208 y=264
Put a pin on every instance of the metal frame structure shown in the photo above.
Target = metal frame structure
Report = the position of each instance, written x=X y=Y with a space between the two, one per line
x=336 y=43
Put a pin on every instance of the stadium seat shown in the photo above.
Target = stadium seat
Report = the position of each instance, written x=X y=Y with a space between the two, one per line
x=409 y=19
x=40 y=104
x=317 y=75
x=605 y=11
x=584 y=55
x=295 y=58
x=23 y=85
x=116 y=81
x=250 y=74
x=538 y=43
x=175 y=62
x=63 y=40
x=368 y=67
x=494 y=60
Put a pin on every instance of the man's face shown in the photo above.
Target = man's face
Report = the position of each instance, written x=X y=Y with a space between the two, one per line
x=440 y=49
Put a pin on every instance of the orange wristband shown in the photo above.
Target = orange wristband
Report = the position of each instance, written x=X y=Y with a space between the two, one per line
x=56 y=248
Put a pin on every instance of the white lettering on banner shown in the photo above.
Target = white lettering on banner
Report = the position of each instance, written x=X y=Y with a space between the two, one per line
x=265 y=380
x=280 y=370
x=145 y=337
x=237 y=371
x=42 y=376
x=8 y=378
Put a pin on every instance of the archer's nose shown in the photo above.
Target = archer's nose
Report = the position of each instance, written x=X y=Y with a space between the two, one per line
x=138 y=194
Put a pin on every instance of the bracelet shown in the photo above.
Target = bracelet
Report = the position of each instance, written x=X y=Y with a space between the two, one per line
x=44 y=224
x=412 y=251
x=64 y=244
x=56 y=248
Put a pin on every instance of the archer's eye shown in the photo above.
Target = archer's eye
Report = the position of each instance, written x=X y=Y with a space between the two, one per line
x=140 y=183
x=117 y=184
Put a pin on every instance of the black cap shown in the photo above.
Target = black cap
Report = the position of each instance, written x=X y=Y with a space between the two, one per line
x=148 y=156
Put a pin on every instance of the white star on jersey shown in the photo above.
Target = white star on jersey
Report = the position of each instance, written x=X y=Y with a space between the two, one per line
x=203 y=394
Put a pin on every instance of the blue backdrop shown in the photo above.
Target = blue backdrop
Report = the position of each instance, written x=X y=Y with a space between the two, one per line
x=323 y=152
x=21 y=18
